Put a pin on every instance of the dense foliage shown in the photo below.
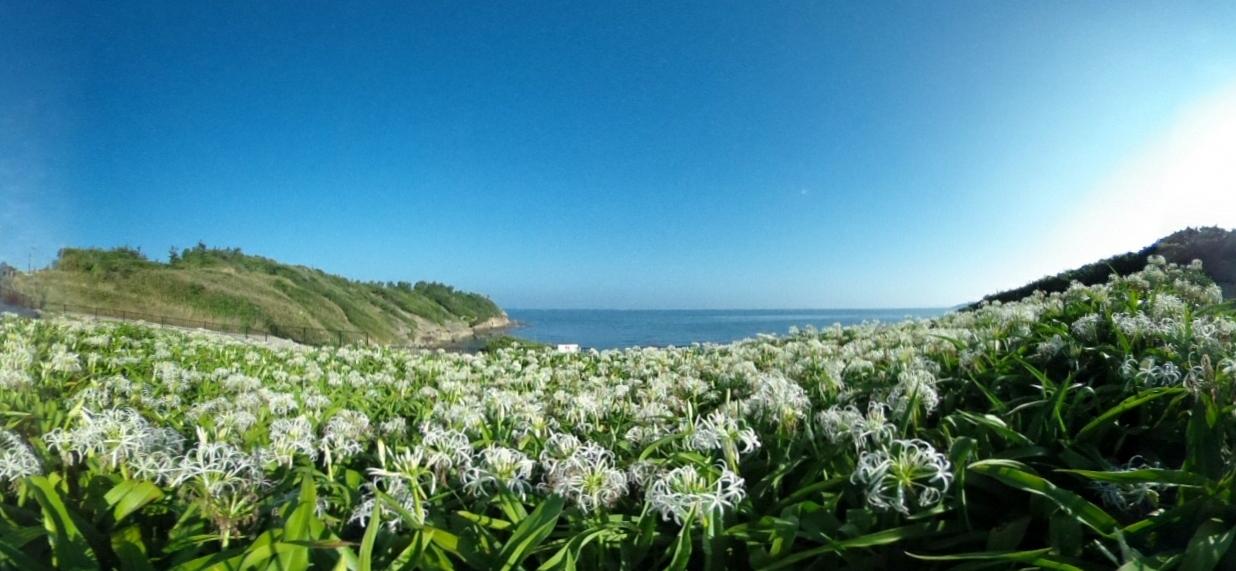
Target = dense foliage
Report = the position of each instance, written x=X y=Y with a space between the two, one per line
x=230 y=290
x=1087 y=429
x=1215 y=247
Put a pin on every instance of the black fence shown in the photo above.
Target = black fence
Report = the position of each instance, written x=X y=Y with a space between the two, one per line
x=305 y=335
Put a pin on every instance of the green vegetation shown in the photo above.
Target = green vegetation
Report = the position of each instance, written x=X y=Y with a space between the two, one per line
x=1093 y=428
x=238 y=291
x=1215 y=247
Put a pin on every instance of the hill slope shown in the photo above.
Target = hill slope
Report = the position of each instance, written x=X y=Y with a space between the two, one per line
x=241 y=291
x=1215 y=247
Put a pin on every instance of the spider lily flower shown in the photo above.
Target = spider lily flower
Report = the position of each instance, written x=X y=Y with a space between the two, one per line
x=905 y=476
x=289 y=438
x=915 y=389
x=686 y=490
x=14 y=379
x=778 y=400
x=1086 y=327
x=445 y=450
x=61 y=360
x=865 y=432
x=223 y=481
x=588 y=478
x=407 y=479
x=724 y=432
x=497 y=468
x=344 y=436
x=17 y=459
x=394 y=428
x=559 y=447
x=115 y=437
x=1130 y=496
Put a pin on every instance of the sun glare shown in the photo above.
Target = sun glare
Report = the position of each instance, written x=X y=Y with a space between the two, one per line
x=1185 y=177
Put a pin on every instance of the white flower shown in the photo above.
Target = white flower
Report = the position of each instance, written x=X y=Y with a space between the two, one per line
x=395 y=427
x=683 y=491
x=558 y=447
x=281 y=404
x=290 y=437
x=907 y=474
x=62 y=360
x=14 y=379
x=345 y=435
x=445 y=449
x=408 y=480
x=915 y=388
x=778 y=400
x=17 y=459
x=220 y=470
x=866 y=432
x=721 y=431
x=588 y=477
x=223 y=481
x=116 y=437
x=1131 y=495
x=1086 y=327
x=499 y=468
x=1050 y=348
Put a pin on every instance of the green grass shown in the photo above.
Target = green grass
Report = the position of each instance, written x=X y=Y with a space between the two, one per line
x=240 y=291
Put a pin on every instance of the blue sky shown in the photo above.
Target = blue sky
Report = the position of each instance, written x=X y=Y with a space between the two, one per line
x=620 y=154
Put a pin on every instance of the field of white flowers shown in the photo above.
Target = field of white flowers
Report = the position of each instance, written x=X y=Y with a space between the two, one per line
x=1084 y=430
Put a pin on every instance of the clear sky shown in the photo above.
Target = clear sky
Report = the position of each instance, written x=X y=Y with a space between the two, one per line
x=623 y=154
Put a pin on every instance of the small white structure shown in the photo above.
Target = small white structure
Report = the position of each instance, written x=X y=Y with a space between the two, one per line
x=568 y=347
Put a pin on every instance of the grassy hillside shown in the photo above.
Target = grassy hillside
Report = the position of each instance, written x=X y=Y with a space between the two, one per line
x=242 y=290
x=1215 y=247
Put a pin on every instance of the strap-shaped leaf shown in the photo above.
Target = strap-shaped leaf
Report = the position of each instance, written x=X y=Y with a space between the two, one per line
x=1017 y=475
x=1125 y=406
x=129 y=496
x=530 y=532
x=69 y=545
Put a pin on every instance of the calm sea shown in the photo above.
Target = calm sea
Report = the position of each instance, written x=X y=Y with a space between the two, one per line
x=611 y=329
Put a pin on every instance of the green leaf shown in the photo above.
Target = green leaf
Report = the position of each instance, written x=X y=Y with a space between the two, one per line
x=69 y=545
x=683 y=545
x=1208 y=546
x=12 y=554
x=416 y=549
x=221 y=561
x=1008 y=535
x=1016 y=556
x=993 y=423
x=485 y=521
x=885 y=537
x=1144 y=475
x=530 y=532
x=566 y=557
x=129 y=496
x=1016 y=475
x=299 y=527
x=371 y=534
x=1125 y=406
x=1205 y=438
x=128 y=546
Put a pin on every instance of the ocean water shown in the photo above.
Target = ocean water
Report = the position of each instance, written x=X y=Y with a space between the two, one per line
x=614 y=329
